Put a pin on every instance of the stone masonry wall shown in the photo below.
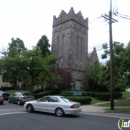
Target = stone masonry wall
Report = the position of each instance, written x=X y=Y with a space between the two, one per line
x=70 y=43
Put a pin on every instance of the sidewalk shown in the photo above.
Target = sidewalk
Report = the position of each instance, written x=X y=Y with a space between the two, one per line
x=93 y=109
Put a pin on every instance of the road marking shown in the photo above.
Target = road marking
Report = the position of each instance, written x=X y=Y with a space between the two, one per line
x=119 y=116
x=12 y=113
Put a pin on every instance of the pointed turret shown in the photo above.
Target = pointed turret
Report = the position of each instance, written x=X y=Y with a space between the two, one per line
x=63 y=17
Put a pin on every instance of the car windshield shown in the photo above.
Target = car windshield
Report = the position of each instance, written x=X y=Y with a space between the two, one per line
x=66 y=99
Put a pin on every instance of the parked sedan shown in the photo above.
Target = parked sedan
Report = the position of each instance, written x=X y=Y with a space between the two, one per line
x=20 y=98
x=4 y=94
x=53 y=104
x=1 y=99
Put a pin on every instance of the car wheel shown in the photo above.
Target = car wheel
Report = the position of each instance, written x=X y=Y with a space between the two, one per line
x=1 y=103
x=9 y=100
x=30 y=108
x=59 y=112
x=18 y=102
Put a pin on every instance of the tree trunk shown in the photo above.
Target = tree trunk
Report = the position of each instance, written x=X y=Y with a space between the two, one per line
x=15 y=84
x=32 y=84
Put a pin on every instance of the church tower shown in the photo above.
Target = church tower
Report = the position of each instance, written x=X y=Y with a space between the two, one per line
x=70 y=43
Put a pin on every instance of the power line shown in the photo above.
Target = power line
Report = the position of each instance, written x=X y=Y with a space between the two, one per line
x=95 y=19
x=99 y=34
x=122 y=16
x=99 y=26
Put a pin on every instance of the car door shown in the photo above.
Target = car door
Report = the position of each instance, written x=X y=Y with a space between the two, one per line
x=13 y=97
x=52 y=103
x=40 y=105
x=17 y=97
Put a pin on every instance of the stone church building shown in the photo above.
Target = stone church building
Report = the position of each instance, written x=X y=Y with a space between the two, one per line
x=70 y=44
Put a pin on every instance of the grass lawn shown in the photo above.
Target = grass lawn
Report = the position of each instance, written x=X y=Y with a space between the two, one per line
x=95 y=100
x=13 y=91
x=118 y=110
x=126 y=95
x=124 y=101
x=121 y=106
x=117 y=103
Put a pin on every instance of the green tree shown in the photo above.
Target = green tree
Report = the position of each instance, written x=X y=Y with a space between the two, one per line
x=32 y=67
x=43 y=45
x=125 y=66
x=16 y=46
x=35 y=65
x=94 y=74
x=120 y=59
x=9 y=67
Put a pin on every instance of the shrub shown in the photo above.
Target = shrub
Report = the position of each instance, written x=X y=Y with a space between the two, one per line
x=46 y=92
x=67 y=93
x=104 y=95
x=37 y=91
x=70 y=93
x=6 y=88
x=91 y=94
x=82 y=100
x=118 y=95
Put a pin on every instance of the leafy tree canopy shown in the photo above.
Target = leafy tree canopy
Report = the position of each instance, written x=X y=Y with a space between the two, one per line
x=43 y=45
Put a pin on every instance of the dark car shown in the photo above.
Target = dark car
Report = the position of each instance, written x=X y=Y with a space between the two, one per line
x=20 y=98
x=1 y=99
x=4 y=94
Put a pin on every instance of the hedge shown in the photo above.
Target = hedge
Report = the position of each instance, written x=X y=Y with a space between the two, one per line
x=46 y=92
x=70 y=93
x=104 y=95
x=82 y=100
x=6 y=88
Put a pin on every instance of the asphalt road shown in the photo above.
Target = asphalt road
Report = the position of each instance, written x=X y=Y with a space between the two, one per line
x=14 y=117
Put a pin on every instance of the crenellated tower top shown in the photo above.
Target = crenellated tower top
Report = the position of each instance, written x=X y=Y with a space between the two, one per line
x=64 y=17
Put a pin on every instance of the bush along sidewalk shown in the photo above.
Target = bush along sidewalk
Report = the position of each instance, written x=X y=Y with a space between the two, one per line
x=77 y=96
x=105 y=96
x=81 y=99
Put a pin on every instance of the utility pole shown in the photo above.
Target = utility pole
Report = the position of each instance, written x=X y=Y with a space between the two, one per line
x=111 y=59
x=111 y=20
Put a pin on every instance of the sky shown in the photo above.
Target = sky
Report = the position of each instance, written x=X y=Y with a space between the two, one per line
x=31 y=19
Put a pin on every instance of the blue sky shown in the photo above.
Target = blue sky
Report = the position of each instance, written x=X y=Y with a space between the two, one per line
x=30 y=19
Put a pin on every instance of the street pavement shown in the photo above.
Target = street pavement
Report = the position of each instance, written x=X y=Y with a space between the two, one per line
x=97 y=110
x=87 y=109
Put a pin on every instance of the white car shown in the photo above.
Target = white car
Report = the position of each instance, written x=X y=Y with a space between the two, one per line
x=53 y=104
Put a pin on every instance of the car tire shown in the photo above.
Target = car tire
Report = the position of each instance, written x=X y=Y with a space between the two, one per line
x=59 y=112
x=1 y=103
x=9 y=100
x=18 y=102
x=30 y=108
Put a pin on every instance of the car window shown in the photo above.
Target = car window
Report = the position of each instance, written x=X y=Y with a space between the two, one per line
x=65 y=99
x=53 y=99
x=19 y=94
x=25 y=94
x=44 y=99
x=14 y=94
